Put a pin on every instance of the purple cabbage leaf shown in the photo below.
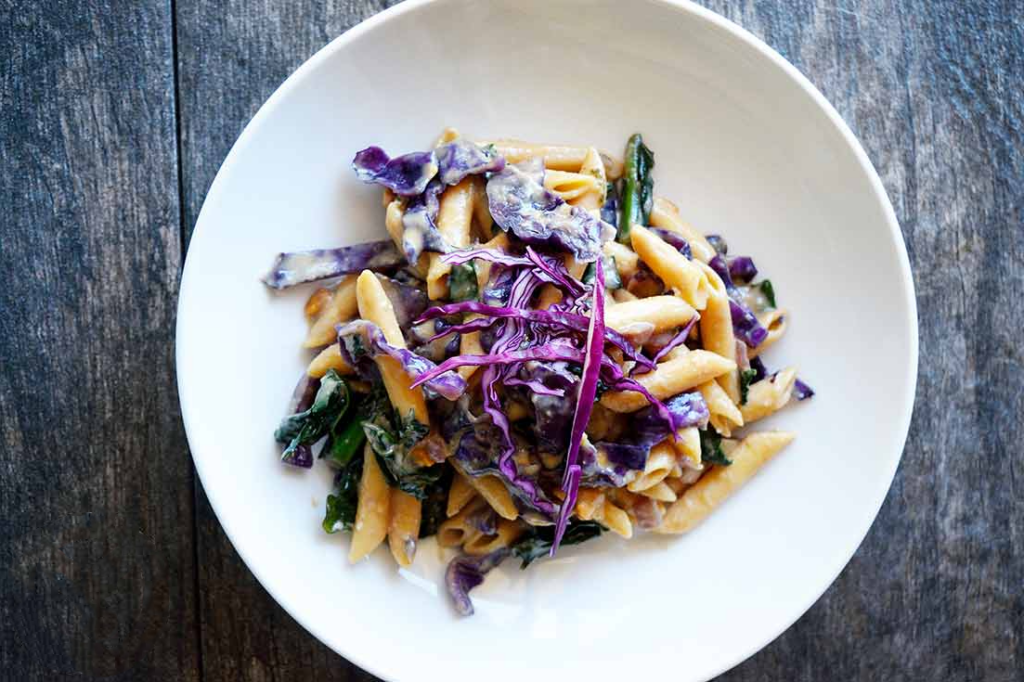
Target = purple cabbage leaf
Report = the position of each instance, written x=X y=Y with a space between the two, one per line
x=300 y=267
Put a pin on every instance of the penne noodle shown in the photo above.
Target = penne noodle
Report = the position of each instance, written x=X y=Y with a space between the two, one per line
x=447 y=135
x=626 y=260
x=374 y=306
x=455 y=531
x=403 y=526
x=570 y=186
x=669 y=379
x=623 y=296
x=327 y=359
x=508 y=533
x=588 y=500
x=339 y=307
x=660 y=492
x=615 y=519
x=775 y=321
x=700 y=499
x=659 y=464
x=768 y=395
x=454 y=221
x=716 y=331
x=725 y=415
x=393 y=221
x=593 y=199
x=372 y=512
x=674 y=269
x=651 y=315
x=459 y=495
x=494 y=491
x=665 y=215
x=556 y=157
x=687 y=446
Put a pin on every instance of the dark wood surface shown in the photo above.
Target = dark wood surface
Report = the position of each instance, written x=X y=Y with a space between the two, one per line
x=114 y=118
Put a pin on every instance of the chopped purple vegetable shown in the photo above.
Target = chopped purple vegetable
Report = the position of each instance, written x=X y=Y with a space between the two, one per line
x=521 y=205
x=466 y=572
x=461 y=158
x=300 y=267
x=405 y=175
x=360 y=339
x=742 y=269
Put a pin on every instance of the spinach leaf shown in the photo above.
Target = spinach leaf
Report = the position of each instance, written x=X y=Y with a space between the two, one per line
x=341 y=506
x=435 y=504
x=392 y=439
x=462 y=282
x=747 y=377
x=307 y=427
x=537 y=542
x=346 y=439
x=612 y=280
x=768 y=290
x=711 y=448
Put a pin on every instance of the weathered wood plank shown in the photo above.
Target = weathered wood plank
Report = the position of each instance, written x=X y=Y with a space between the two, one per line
x=934 y=91
x=96 y=544
x=231 y=57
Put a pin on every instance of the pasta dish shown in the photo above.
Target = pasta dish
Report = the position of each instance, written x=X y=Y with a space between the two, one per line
x=542 y=350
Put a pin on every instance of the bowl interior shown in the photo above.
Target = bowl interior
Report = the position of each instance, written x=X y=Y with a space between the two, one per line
x=746 y=150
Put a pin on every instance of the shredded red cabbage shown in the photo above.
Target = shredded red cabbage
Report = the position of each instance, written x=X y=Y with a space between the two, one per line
x=584 y=402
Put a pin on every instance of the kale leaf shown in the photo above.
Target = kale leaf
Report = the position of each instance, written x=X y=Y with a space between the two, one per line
x=537 y=542
x=711 y=448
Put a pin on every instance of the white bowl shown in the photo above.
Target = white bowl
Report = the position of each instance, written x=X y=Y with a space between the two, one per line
x=745 y=146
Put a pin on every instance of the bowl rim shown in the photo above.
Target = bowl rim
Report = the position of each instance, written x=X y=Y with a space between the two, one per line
x=711 y=20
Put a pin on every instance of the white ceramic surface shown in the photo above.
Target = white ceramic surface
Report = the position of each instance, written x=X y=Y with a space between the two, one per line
x=744 y=145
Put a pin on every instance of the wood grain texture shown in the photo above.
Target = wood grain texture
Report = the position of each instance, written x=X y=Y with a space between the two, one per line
x=96 y=542
x=231 y=57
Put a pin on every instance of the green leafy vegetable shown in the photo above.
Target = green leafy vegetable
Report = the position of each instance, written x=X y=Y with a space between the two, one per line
x=747 y=377
x=305 y=428
x=711 y=448
x=611 y=273
x=637 y=187
x=342 y=505
x=435 y=504
x=392 y=439
x=769 y=291
x=462 y=282
x=346 y=439
x=537 y=543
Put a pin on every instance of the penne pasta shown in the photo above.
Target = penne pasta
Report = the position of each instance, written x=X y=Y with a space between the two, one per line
x=725 y=415
x=556 y=157
x=674 y=269
x=660 y=461
x=593 y=199
x=327 y=359
x=508 y=533
x=700 y=499
x=644 y=316
x=768 y=395
x=454 y=221
x=665 y=215
x=660 y=492
x=775 y=321
x=459 y=495
x=570 y=186
x=669 y=379
x=716 y=330
x=403 y=526
x=455 y=531
x=687 y=446
x=626 y=260
x=372 y=512
x=375 y=307
x=339 y=306
x=494 y=492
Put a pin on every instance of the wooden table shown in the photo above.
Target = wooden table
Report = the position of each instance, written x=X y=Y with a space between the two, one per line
x=114 y=118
